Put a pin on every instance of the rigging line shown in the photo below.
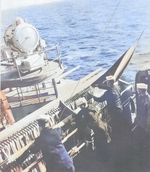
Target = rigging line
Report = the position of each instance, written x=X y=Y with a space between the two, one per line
x=106 y=28
x=70 y=96
x=142 y=33
x=140 y=36
x=95 y=50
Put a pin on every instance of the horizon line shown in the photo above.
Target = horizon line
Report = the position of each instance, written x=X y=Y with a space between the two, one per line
x=12 y=4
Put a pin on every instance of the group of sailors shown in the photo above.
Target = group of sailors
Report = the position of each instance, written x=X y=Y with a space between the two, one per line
x=113 y=140
x=109 y=138
x=124 y=147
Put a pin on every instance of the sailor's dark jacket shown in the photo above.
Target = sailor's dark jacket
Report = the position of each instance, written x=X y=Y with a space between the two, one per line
x=89 y=117
x=143 y=110
x=54 y=152
x=112 y=96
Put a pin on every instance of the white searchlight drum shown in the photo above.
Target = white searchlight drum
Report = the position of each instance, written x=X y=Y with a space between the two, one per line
x=26 y=37
x=23 y=36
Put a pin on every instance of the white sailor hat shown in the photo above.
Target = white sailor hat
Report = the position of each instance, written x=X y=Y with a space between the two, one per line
x=44 y=117
x=110 y=77
x=81 y=101
x=141 y=86
x=43 y=120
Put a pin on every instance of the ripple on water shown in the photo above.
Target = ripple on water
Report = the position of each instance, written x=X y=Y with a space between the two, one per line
x=85 y=32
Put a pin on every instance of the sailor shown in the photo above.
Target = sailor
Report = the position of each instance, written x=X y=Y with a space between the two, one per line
x=84 y=132
x=88 y=117
x=112 y=96
x=114 y=106
x=143 y=106
x=141 y=131
x=53 y=150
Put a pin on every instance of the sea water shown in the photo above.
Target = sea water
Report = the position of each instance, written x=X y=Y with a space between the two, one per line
x=92 y=34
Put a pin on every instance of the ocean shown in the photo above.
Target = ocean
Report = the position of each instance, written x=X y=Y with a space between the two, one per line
x=91 y=34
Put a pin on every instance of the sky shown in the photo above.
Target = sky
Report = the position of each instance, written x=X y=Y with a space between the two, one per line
x=7 y=4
